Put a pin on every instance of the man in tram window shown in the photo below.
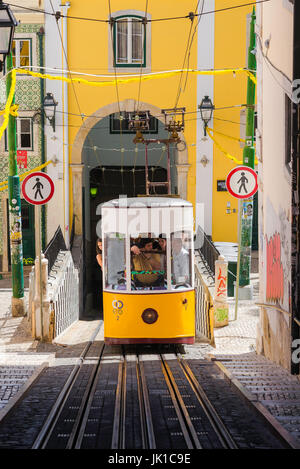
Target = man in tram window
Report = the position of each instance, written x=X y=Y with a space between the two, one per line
x=180 y=261
x=147 y=261
x=162 y=249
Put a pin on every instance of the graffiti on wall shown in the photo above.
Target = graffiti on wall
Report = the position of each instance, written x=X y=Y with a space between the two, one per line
x=276 y=255
x=275 y=275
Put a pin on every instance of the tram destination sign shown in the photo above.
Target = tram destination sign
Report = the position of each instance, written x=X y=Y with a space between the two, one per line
x=241 y=182
x=38 y=188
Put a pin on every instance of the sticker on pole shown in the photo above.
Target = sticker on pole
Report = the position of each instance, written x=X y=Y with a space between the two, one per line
x=241 y=182
x=38 y=188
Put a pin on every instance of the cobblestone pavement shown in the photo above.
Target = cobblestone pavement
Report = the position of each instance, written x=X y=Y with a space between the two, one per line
x=273 y=386
x=270 y=384
x=19 y=355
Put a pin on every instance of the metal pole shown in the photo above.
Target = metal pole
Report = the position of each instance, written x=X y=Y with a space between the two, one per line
x=169 y=170
x=249 y=155
x=146 y=169
x=14 y=202
x=237 y=283
x=38 y=249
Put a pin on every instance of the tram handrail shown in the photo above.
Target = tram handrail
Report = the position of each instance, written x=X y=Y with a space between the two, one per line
x=207 y=250
x=204 y=311
x=64 y=292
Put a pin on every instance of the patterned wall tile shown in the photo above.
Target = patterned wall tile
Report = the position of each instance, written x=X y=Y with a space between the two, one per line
x=28 y=96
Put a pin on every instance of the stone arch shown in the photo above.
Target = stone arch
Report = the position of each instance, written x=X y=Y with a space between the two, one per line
x=77 y=164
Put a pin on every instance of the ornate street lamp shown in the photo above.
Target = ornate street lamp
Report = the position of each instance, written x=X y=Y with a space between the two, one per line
x=7 y=27
x=49 y=106
x=206 y=109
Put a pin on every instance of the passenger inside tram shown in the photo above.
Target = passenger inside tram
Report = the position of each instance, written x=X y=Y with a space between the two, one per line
x=180 y=261
x=148 y=262
x=148 y=258
x=115 y=261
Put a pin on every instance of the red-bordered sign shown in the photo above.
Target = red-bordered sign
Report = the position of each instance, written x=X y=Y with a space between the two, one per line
x=241 y=182
x=38 y=188
x=22 y=158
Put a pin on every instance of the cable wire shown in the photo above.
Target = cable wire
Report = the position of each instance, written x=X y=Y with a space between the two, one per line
x=58 y=15
x=69 y=72
x=143 y=51
x=192 y=16
x=195 y=30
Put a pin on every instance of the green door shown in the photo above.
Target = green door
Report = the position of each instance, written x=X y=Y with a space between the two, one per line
x=27 y=211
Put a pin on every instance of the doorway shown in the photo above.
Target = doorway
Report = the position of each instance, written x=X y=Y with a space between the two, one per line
x=107 y=183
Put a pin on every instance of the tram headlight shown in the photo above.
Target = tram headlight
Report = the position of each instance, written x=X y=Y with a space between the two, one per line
x=149 y=316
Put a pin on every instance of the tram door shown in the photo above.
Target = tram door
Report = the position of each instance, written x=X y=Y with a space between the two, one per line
x=108 y=183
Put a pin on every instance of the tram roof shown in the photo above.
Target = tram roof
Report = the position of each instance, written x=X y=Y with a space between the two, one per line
x=149 y=202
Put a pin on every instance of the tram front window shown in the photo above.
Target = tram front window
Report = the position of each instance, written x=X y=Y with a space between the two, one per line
x=148 y=263
x=181 y=260
x=115 y=265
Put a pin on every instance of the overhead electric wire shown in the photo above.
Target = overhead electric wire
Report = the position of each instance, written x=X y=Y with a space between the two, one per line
x=58 y=15
x=67 y=63
x=269 y=64
x=112 y=22
x=100 y=128
x=189 y=53
x=185 y=55
x=142 y=53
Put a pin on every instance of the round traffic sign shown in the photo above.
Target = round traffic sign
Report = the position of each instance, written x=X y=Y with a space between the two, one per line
x=241 y=182
x=38 y=188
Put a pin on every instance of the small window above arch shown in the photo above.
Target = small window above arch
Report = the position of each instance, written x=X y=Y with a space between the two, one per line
x=130 y=40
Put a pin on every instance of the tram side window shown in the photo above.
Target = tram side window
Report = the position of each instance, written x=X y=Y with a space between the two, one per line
x=181 y=260
x=148 y=262
x=115 y=261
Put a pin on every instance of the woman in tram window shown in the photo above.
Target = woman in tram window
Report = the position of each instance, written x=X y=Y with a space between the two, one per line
x=99 y=252
x=99 y=297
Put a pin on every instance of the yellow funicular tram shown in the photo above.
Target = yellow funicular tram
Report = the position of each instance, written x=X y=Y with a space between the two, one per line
x=148 y=270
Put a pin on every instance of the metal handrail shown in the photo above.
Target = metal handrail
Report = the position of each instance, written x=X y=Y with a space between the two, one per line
x=204 y=308
x=208 y=251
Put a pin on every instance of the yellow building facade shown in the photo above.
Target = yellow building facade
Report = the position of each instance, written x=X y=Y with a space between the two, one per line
x=217 y=40
x=230 y=51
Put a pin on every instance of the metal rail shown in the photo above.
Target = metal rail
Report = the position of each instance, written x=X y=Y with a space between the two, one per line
x=46 y=431
x=131 y=378
x=223 y=434
x=188 y=430
x=148 y=436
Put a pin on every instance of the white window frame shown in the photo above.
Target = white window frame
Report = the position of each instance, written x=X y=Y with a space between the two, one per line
x=133 y=67
x=17 y=55
x=18 y=134
x=129 y=43
x=18 y=128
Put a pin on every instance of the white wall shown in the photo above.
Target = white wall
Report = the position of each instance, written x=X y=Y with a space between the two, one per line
x=204 y=148
x=274 y=24
x=56 y=142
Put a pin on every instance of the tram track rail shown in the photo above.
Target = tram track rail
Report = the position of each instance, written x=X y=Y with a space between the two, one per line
x=75 y=436
x=44 y=435
x=127 y=398
x=215 y=421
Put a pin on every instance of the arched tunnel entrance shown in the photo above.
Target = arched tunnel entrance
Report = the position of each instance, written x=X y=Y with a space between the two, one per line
x=113 y=166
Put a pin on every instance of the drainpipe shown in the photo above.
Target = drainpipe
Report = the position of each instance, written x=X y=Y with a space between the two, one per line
x=65 y=119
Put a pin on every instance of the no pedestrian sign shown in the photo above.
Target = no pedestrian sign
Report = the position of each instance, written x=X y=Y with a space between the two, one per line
x=241 y=182
x=38 y=188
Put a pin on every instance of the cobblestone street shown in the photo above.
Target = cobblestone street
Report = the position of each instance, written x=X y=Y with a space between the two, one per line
x=21 y=357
